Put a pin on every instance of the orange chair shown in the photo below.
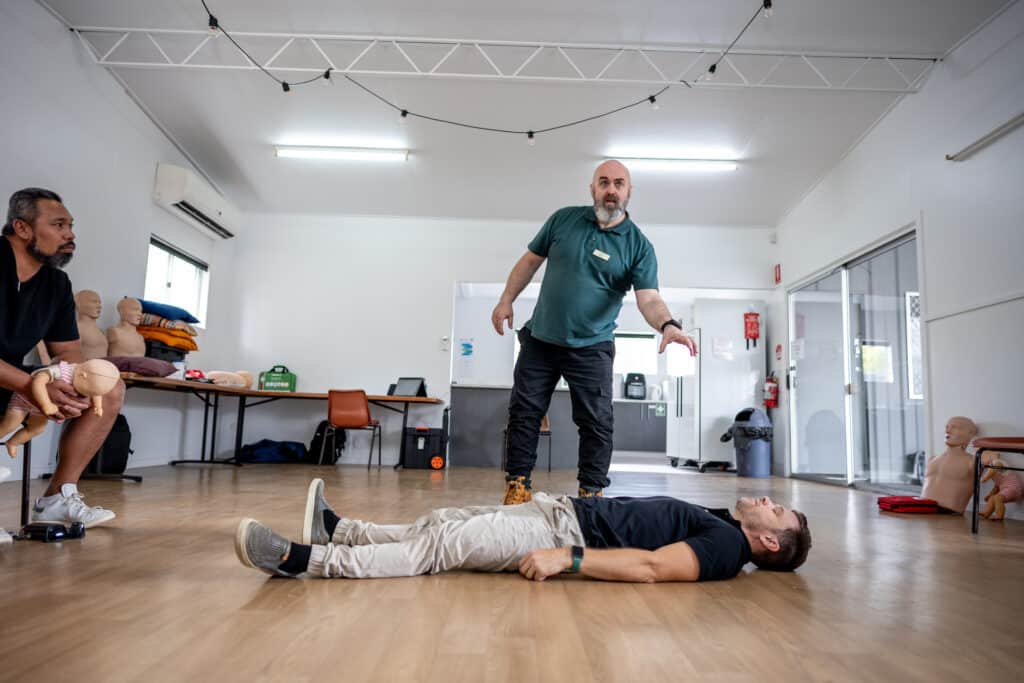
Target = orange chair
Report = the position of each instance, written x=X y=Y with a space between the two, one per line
x=349 y=409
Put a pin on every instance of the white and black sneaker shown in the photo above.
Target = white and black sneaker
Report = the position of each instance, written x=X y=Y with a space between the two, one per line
x=314 y=526
x=68 y=507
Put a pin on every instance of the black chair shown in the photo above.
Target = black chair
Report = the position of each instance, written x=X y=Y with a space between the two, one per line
x=1008 y=444
x=26 y=472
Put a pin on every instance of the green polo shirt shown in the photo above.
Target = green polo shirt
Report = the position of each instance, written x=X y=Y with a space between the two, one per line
x=589 y=271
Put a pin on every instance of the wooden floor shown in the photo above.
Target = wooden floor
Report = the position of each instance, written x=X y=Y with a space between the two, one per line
x=160 y=596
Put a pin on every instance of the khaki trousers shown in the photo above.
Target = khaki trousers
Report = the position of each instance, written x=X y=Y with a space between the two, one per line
x=491 y=539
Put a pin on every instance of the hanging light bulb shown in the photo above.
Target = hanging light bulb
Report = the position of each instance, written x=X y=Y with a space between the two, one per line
x=403 y=117
x=768 y=11
x=530 y=139
x=654 y=103
x=213 y=24
x=710 y=75
x=285 y=86
x=327 y=77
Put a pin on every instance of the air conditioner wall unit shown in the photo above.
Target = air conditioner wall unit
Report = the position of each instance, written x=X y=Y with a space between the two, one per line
x=190 y=198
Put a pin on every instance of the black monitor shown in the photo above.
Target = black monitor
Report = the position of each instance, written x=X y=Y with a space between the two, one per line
x=410 y=386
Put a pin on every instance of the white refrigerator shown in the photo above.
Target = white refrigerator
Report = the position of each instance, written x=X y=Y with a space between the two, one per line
x=704 y=394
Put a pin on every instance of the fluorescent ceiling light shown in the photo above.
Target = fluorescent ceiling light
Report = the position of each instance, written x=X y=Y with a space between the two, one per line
x=343 y=153
x=678 y=165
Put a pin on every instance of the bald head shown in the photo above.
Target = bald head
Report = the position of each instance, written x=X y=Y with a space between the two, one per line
x=610 y=190
x=960 y=430
x=130 y=310
x=88 y=303
x=611 y=169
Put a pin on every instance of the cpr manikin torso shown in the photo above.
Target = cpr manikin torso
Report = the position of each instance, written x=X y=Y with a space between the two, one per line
x=949 y=478
x=124 y=339
x=94 y=341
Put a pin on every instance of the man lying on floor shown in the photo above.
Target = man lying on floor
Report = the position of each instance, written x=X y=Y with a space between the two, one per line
x=626 y=539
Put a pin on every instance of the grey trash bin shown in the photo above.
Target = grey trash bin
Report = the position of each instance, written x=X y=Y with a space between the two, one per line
x=751 y=434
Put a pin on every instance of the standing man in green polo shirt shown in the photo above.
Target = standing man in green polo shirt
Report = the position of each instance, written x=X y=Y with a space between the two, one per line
x=595 y=254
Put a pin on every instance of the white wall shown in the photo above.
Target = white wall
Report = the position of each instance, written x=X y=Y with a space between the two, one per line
x=350 y=301
x=68 y=126
x=969 y=218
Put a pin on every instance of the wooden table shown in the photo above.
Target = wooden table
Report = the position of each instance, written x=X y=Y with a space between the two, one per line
x=210 y=395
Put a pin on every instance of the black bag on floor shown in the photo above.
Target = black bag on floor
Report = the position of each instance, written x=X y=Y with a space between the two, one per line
x=112 y=457
x=267 y=451
x=323 y=432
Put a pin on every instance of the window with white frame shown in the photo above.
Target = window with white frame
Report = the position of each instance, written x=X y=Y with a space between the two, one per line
x=636 y=352
x=176 y=278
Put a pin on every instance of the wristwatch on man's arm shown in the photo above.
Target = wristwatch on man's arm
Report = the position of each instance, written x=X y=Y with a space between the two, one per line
x=577 y=559
x=670 y=321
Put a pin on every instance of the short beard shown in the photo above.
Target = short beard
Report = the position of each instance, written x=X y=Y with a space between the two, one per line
x=604 y=216
x=57 y=259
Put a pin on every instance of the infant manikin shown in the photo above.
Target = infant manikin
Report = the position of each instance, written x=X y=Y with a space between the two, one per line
x=92 y=379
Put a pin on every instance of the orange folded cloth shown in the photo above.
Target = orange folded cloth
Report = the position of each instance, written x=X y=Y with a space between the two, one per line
x=176 y=339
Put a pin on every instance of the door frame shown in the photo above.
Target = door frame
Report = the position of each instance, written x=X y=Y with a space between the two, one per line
x=905 y=232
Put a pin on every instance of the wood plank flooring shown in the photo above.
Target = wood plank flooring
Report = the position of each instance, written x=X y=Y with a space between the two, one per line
x=160 y=596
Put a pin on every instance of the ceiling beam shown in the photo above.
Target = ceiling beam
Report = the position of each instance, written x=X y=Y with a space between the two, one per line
x=523 y=60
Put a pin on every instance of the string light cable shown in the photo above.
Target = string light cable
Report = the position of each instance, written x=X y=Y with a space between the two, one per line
x=213 y=23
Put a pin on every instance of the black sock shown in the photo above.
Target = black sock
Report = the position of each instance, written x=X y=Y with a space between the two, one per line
x=298 y=559
x=330 y=522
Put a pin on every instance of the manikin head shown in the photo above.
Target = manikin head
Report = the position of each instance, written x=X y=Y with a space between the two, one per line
x=95 y=377
x=959 y=431
x=38 y=220
x=779 y=537
x=130 y=310
x=88 y=304
x=610 y=190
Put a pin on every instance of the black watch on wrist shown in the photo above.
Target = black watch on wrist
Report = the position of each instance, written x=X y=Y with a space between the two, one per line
x=668 y=322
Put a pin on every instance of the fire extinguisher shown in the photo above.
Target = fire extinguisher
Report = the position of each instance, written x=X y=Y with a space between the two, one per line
x=751 y=328
x=771 y=391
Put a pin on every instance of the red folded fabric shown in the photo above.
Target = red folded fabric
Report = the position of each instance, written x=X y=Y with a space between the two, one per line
x=908 y=504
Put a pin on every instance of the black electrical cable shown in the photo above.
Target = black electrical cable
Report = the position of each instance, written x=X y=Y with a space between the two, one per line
x=215 y=24
x=733 y=43
x=406 y=113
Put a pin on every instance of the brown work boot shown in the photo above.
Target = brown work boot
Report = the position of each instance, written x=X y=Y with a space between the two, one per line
x=517 y=491
x=588 y=493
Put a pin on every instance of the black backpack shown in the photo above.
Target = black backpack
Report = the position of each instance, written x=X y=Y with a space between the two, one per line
x=322 y=432
x=112 y=457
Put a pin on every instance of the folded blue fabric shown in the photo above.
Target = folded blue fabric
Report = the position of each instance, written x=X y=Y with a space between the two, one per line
x=167 y=311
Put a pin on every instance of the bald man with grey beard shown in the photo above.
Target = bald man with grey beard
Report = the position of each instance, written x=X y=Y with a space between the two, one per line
x=595 y=254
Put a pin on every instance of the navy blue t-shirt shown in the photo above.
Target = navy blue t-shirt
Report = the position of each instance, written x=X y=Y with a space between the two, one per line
x=651 y=523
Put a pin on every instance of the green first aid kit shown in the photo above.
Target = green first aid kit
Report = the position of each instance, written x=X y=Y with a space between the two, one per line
x=277 y=378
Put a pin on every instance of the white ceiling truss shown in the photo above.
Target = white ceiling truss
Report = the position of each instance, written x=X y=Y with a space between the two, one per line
x=360 y=55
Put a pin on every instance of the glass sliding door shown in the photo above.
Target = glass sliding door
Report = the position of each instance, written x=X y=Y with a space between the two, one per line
x=885 y=343
x=817 y=379
x=857 y=395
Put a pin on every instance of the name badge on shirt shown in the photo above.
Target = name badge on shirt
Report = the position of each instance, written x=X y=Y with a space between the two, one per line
x=601 y=255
